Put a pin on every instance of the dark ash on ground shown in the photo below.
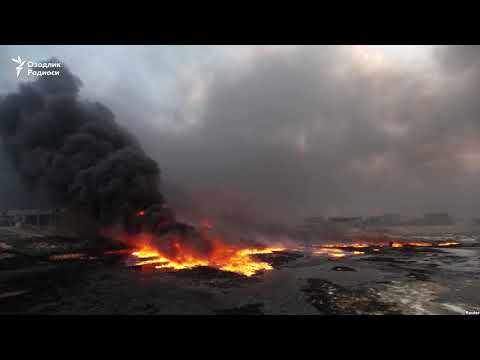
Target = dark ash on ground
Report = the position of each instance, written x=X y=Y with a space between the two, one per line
x=391 y=281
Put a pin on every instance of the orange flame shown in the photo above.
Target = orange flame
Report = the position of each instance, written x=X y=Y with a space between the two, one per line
x=330 y=251
x=224 y=258
x=347 y=245
x=448 y=243
x=339 y=250
x=236 y=258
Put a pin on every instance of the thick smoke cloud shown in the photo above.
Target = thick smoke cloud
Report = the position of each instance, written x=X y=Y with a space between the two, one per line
x=459 y=58
x=320 y=131
x=280 y=135
x=74 y=151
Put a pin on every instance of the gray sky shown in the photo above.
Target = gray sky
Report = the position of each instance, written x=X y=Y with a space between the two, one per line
x=278 y=133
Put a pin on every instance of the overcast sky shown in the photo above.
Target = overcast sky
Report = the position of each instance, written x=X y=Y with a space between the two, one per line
x=277 y=133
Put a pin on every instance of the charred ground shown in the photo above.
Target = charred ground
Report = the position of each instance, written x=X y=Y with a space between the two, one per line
x=391 y=281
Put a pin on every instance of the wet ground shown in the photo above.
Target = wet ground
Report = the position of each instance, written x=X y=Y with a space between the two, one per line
x=37 y=277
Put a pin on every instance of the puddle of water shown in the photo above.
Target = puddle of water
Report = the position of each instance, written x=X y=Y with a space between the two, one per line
x=454 y=308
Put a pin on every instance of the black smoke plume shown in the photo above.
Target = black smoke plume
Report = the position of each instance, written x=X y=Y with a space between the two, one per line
x=75 y=151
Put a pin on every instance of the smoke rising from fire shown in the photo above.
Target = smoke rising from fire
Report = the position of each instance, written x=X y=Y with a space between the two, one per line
x=328 y=131
x=74 y=151
x=311 y=130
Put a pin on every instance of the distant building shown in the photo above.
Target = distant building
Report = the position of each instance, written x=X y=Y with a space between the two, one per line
x=437 y=219
x=383 y=220
x=309 y=227
x=352 y=221
x=433 y=219
x=313 y=229
x=392 y=219
x=317 y=229
x=37 y=217
x=314 y=220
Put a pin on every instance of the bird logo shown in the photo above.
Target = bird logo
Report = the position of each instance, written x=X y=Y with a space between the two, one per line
x=20 y=63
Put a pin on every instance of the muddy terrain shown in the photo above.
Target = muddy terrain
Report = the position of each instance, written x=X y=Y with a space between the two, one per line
x=44 y=274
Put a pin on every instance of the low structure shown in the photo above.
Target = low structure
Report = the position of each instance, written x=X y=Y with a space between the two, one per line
x=349 y=221
x=38 y=217
x=438 y=219
x=430 y=219
x=387 y=219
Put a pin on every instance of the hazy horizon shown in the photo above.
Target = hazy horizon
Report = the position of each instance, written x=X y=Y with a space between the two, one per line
x=277 y=134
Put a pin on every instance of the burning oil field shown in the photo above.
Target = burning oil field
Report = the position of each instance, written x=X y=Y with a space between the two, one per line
x=43 y=273
x=103 y=238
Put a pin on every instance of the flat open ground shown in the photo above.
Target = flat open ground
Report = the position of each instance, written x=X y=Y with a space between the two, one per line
x=388 y=281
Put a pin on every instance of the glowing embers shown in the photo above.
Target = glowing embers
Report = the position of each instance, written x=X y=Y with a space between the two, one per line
x=423 y=244
x=347 y=245
x=240 y=261
x=340 y=250
x=335 y=252
x=448 y=243
x=411 y=243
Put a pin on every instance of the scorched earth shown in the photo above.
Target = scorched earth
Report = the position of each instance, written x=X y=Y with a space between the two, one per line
x=420 y=271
